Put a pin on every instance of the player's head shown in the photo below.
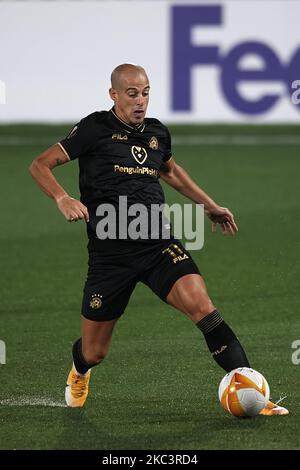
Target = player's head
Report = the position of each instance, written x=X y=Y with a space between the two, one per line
x=130 y=92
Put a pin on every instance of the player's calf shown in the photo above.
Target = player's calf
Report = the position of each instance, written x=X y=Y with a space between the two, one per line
x=94 y=354
x=85 y=359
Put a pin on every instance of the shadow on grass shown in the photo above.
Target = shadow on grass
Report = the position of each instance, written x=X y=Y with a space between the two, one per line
x=130 y=426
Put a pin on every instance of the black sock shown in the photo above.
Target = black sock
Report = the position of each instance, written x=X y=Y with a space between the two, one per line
x=222 y=342
x=79 y=362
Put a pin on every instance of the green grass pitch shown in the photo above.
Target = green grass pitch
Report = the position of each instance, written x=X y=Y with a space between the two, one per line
x=157 y=389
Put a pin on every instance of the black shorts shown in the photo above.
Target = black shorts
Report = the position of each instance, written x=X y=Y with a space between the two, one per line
x=117 y=266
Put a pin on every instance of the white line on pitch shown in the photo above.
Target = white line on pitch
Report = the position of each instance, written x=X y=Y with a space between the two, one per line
x=32 y=401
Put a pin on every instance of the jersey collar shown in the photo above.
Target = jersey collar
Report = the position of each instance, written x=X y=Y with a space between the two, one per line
x=126 y=127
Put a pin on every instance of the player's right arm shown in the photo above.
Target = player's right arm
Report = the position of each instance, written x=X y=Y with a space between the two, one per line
x=41 y=171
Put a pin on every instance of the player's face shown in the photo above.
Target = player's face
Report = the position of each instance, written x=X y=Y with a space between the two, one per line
x=132 y=97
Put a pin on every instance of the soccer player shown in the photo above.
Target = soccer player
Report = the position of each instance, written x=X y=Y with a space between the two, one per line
x=123 y=153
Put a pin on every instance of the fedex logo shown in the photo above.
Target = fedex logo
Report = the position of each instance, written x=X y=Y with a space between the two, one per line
x=185 y=56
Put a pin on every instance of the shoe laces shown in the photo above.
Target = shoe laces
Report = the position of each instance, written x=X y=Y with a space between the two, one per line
x=79 y=383
x=280 y=399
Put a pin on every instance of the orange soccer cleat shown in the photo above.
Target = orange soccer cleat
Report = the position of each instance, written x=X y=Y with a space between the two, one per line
x=77 y=388
x=273 y=409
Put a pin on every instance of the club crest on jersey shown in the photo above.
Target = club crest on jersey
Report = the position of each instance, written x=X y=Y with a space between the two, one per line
x=153 y=143
x=96 y=301
x=139 y=154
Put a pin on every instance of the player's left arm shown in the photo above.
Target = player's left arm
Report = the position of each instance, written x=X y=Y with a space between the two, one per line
x=174 y=175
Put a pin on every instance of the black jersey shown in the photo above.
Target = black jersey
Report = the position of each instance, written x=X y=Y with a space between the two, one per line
x=116 y=159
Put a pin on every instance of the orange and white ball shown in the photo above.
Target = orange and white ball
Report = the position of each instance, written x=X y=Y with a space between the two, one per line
x=244 y=392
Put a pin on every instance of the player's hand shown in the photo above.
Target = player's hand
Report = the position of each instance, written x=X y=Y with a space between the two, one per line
x=223 y=217
x=72 y=209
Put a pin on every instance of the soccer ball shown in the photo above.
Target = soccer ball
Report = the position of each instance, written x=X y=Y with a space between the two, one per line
x=244 y=392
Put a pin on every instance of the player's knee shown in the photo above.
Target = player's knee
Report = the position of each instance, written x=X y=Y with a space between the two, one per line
x=200 y=307
x=207 y=307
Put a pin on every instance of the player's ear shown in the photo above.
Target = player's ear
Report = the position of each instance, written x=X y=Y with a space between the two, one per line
x=112 y=94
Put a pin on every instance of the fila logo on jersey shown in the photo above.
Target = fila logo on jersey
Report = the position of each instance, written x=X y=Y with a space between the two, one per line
x=119 y=137
x=139 y=154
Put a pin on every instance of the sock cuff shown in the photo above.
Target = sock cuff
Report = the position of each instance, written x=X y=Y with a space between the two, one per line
x=210 y=322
